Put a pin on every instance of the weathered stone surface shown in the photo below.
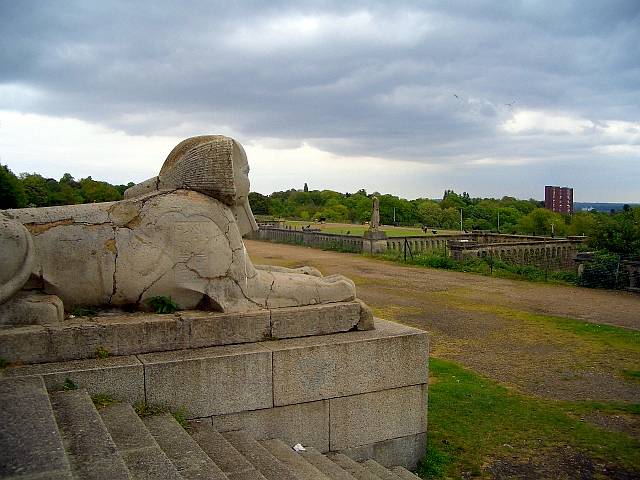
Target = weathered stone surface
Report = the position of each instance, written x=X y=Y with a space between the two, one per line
x=18 y=257
x=314 y=320
x=372 y=417
x=211 y=329
x=355 y=469
x=366 y=321
x=326 y=466
x=184 y=452
x=31 y=443
x=129 y=334
x=77 y=262
x=25 y=344
x=210 y=381
x=92 y=453
x=283 y=452
x=141 y=453
x=120 y=377
x=379 y=471
x=31 y=308
x=261 y=459
x=179 y=235
x=404 y=474
x=316 y=368
x=305 y=423
x=225 y=456
x=405 y=451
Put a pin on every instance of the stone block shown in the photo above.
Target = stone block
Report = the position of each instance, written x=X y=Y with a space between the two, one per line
x=210 y=381
x=314 y=320
x=373 y=417
x=405 y=451
x=31 y=445
x=305 y=423
x=31 y=308
x=120 y=377
x=321 y=367
x=25 y=344
x=211 y=329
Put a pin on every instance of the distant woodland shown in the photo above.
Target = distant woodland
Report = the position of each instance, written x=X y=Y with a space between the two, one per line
x=615 y=232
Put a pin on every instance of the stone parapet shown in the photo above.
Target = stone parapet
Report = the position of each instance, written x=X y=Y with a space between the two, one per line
x=360 y=392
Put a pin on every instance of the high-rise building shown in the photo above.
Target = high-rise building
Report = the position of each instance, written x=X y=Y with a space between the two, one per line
x=558 y=199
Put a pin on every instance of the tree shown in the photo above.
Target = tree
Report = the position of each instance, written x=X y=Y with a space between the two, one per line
x=259 y=203
x=36 y=189
x=618 y=233
x=11 y=189
x=540 y=222
x=95 y=191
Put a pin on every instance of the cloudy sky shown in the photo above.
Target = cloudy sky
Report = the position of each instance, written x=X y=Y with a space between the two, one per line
x=402 y=97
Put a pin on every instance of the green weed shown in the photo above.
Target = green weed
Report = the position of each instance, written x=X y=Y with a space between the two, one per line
x=102 y=352
x=631 y=374
x=101 y=400
x=69 y=385
x=163 y=304
x=144 y=409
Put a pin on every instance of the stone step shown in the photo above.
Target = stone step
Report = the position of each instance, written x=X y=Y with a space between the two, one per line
x=296 y=462
x=184 y=452
x=404 y=474
x=30 y=444
x=260 y=457
x=142 y=455
x=326 y=466
x=92 y=453
x=379 y=470
x=231 y=462
x=357 y=470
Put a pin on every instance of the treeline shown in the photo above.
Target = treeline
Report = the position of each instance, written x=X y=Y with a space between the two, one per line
x=34 y=190
x=477 y=213
x=617 y=233
x=613 y=232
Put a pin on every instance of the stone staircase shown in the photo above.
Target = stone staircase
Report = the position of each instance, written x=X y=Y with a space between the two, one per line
x=61 y=435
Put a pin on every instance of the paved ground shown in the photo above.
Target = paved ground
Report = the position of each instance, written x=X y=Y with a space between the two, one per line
x=510 y=331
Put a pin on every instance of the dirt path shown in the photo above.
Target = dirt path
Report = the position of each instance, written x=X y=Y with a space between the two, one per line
x=512 y=331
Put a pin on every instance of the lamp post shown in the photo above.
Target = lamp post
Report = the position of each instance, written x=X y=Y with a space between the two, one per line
x=460 y=219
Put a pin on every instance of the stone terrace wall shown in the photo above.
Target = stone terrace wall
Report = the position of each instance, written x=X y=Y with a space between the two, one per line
x=419 y=244
x=539 y=253
x=312 y=239
x=517 y=249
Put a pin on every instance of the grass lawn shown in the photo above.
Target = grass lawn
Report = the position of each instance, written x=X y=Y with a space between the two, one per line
x=474 y=421
x=358 y=230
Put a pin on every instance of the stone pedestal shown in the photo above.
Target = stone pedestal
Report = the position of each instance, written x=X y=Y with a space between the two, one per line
x=374 y=241
x=363 y=393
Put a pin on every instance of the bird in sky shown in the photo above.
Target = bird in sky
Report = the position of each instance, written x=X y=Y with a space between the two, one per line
x=510 y=105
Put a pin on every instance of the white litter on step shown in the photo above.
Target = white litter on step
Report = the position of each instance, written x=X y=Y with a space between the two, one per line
x=299 y=448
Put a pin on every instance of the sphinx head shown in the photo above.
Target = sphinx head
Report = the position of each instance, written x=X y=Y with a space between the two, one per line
x=216 y=166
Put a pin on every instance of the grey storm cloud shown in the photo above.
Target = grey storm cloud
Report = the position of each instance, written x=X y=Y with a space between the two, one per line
x=423 y=81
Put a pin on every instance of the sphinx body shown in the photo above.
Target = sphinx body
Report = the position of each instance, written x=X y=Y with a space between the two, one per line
x=178 y=235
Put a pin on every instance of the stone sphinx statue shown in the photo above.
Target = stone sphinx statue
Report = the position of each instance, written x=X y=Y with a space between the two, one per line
x=177 y=235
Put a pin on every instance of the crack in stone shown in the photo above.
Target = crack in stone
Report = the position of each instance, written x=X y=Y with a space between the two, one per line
x=245 y=295
x=273 y=282
x=115 y=266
